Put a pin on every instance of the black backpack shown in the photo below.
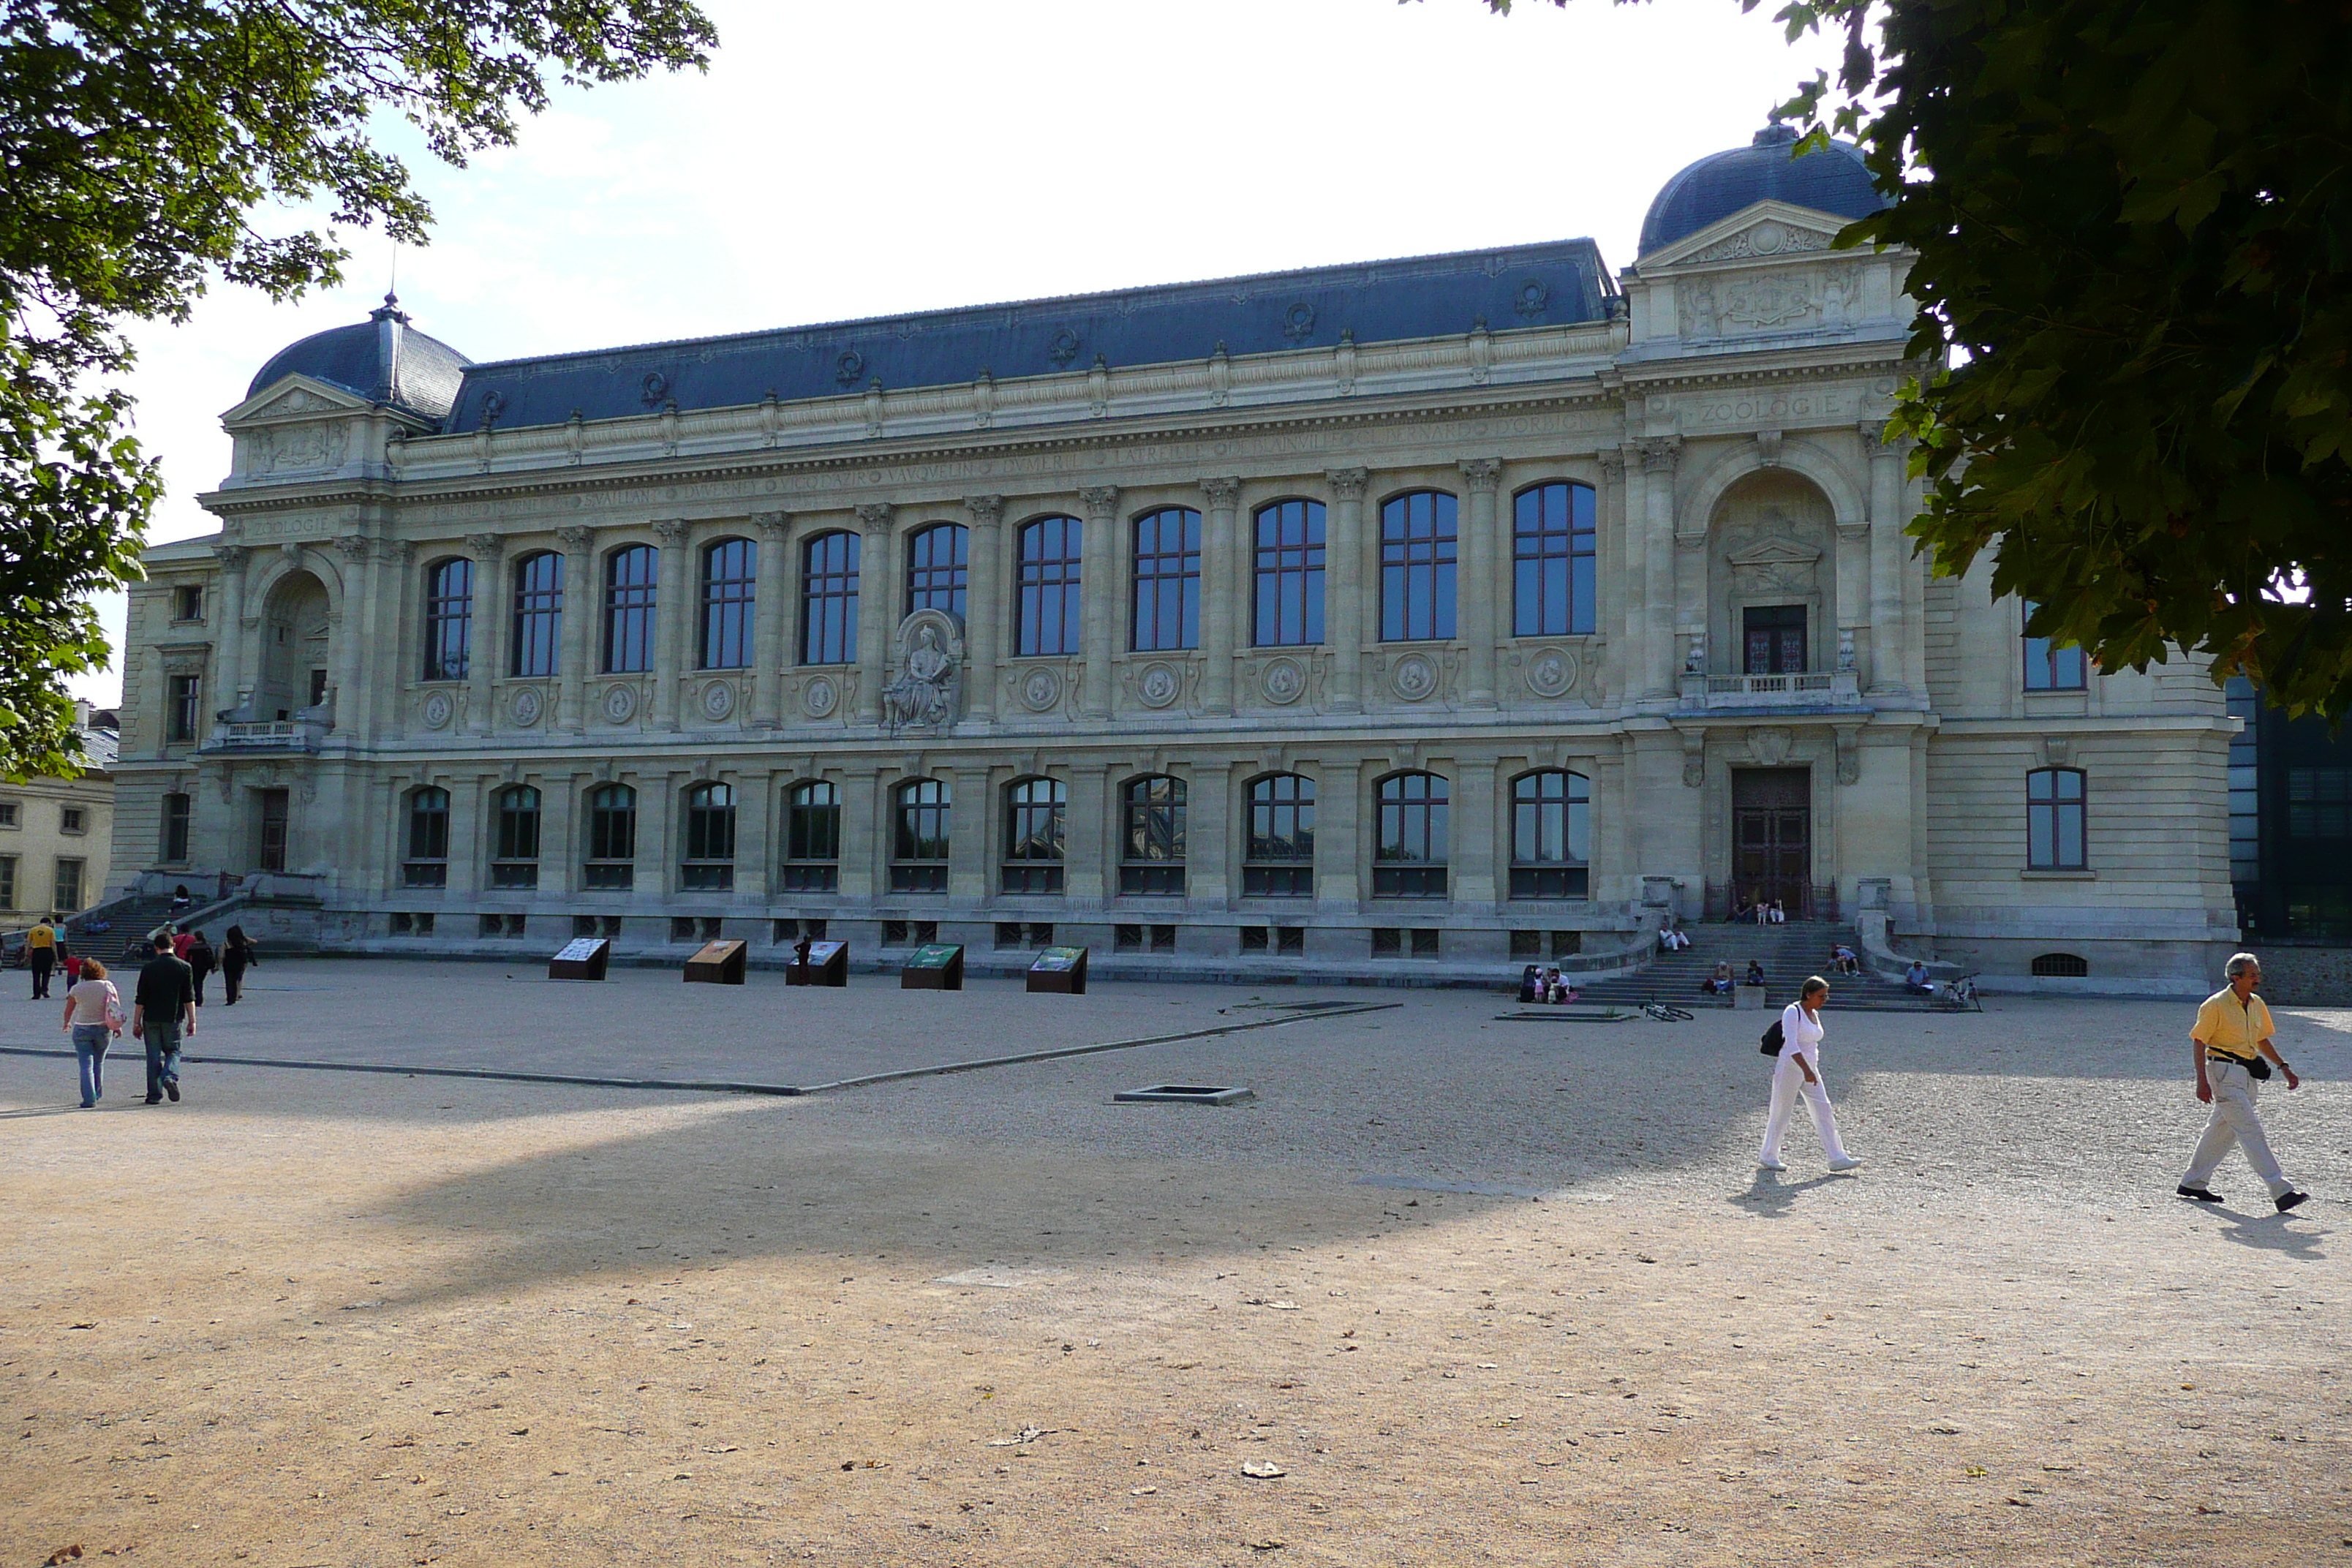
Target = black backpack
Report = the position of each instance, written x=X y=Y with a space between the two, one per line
x=1774 y=1039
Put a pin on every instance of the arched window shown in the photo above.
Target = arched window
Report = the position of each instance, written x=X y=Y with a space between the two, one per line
x=937 y=569
x=177 y=808
x=829 y=599
x=2054 y=839
x=428 y=862
x=2049 y=668
x=1046 y=612
x=449 y=618
x=1033 y=810
x=631 y=577
x=2060 y=965
x=813 y=838
x=1287 y=611
x=1151 y=849
x=918 y=838
x=709 y=863
x=1279 y=860
x=1409 y=856
x=537 y=613
x=1552 y=534
x=1551 y=834
x=611 y=837
x=731 y=570
x=515 y=860
x=1166 y=580
x=1417 y=544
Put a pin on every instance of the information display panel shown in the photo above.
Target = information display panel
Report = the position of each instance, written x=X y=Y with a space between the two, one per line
x=719 y=963
x=934 y=967
x=582 y=958
x=1059 y=971
x=825 y=963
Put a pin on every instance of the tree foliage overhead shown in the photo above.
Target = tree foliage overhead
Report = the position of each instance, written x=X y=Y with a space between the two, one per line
x=137 y=137
x=2134 y=228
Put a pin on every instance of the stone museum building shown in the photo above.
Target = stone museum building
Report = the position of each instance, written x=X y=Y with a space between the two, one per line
x=1458 y=609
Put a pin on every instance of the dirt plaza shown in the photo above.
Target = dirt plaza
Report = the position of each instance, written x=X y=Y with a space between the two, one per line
x=1452 y=1289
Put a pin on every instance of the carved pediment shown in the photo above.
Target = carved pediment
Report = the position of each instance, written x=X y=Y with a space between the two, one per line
x=291 y=398
x=1763 y=231
x=1775 y=552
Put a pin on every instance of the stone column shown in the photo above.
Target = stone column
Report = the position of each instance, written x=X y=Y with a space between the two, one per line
x=1090 y=874
x=1339 y=849
x=878 y=606
x=392 y=675
x=354 y=618
x=768 y=621
x=984 y=604
x=485 y=661
x=1223 y=584
x=1101 y=586
x=657 y=835
x=674 y=605
x=1659 y=458
x=755 y=831
x=1477 y=608
x=466 y=847
x=970 y=881
x=228 y=657
x=1475 y=847
x=560 y=848
x=576 y=656
x=1617 y=569
x=865 y=833
x=1344 y=605
x=1886 y=561
x=1210 y=861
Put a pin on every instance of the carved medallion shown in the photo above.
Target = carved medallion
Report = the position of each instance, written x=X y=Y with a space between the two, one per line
x=1040 y=689
x=438 y=710
x=1769 y=747
x=1282 y=682
x=1551 y=672
x=718 y=700
x=620 y=703
x=1157 y=685
x=526 y=708
x=1414 y=678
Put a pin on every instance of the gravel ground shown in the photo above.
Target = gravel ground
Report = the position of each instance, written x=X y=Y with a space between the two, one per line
x=1483 y=1292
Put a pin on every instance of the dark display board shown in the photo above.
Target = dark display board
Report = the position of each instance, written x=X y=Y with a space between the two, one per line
x=935 y=966
x=1060 y=970
x=582 y=958
x=828 y=964
x=719 y=963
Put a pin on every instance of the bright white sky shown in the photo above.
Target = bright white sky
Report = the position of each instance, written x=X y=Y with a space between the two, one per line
x=845 y=160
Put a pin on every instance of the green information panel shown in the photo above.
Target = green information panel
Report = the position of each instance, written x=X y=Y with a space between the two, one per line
x=934 y=967
x=1060 y=970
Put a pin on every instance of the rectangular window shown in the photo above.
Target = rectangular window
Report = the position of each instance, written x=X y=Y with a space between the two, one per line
x=813 y=839
x=1772 y=639
x=2053 y=820
x=2053 y=668
x=448 y=619
x=8 y=813
x=174 y=845
x=184 y=707
x=1409 y=859
x=1151 y=858
x=1288 y=609
x=68 y=899
x=188 y=602
x=7 y=882
x=1033 y=810
x=918 y=843
x=1552 y=544
x=1278 y=861
x=73 y=819
x=1167 y=581
x=2318 y=803
x=1417 y=565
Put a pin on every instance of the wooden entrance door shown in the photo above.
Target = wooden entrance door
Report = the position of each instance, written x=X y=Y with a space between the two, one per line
x=273 y=829
x=1772 y=838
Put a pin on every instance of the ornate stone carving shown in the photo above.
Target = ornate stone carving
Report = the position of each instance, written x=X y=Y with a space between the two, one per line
x=1222 y=495
x=1481 y=347
x=527 y=706
x=1533 y=298
x=2056 y=751
x=719 y=700
x=1695 y=656
x=1768 y=746
x=985 y=509
x=1099 y=388
x=486 y=546
x=1038 y=689
x=1282 y=681
x=670 y=530
x=1767 y=448
x=928 y=690
x=1221 y=376
x=299 y=449
x=1694 y=759
x=619 y=704
x=577 y=541
x=772 y=525
x=1845 y=647
x=1158 y=684
x=1414 y=678
x=1771 y=237
x=1347 y=484
x=820 y=697
x=875 y=513
x=1343 y=363
x=1484 y=475
x=983 y=400
x=1775 y=564
x=1551 y=672
x=1102 y=501
x=1822 y=297
x=1612 y=467
x=1299 y=322
x=1660 y=454
x=1849 y=755
x=436 y=711
x=233 y=557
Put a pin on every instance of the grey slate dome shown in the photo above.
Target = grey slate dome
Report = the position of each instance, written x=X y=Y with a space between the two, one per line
x=1834 y=180
x=381 y=359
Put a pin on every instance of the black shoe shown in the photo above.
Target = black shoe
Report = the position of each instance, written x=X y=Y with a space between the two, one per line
x=2200 y=1194
x=2292 y=1199
x=152 y=1100
x=174 y=1090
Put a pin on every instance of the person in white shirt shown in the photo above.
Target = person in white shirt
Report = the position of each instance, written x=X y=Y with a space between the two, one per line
x=1799 y=1072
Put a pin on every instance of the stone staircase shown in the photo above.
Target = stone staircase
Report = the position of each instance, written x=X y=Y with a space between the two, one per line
x=1788 y=952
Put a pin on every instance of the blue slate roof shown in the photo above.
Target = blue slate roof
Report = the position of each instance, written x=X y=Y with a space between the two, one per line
x=381 y=359
x=1833 y=181
x=1419 y=297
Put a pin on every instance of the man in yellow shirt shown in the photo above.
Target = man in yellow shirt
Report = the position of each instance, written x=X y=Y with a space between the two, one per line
x=2232 y=1035
x=41 y=955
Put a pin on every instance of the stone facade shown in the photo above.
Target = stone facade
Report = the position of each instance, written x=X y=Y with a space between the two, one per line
x=56 y=836
x=1759 y=686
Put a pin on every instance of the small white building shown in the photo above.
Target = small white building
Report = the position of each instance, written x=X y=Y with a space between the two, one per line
x=1458 y=608
x=57 y=834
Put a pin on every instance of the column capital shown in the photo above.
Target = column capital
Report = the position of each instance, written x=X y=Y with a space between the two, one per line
x=670 y=530
x=353 y=546
x=1874 y=432
x=1484 y=474
x=1347 y=484
x=1102 y=501
x=1612 y=467
x=233 y=557
x=1660 y=454
x=577 y=540
x=1223 y=494
x=771 y=524
x=875 y=513
x=489 y=546
x=987 y=511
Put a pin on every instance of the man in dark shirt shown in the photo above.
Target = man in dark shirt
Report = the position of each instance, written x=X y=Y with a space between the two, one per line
x=163 y=1010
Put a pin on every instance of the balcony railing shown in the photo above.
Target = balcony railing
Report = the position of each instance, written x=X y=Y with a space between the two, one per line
x=1824 y=688
x=267 y=735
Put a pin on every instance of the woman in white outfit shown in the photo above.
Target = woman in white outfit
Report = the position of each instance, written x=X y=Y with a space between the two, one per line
x=1799 y=1071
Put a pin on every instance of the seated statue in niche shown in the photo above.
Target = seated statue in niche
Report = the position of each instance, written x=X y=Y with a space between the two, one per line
x=928 y=689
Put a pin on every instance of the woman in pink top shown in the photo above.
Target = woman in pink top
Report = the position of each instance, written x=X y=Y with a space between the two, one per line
x=93 y=1016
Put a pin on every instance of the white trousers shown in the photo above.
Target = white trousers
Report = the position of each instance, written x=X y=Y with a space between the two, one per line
x=1787 y=1086
x=2234 y=1122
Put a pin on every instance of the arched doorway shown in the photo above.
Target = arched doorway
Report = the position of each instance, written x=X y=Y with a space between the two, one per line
x=292 y=672
x=1773 y=578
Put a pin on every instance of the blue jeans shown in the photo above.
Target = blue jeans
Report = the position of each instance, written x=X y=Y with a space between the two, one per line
x=89 y=1055
x=162 y=1054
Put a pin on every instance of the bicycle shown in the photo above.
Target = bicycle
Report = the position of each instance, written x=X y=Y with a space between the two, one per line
x=1664 y=1012
x=1958 y=996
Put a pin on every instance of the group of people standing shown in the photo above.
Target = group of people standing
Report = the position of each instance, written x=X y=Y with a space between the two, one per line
x=173 y=967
